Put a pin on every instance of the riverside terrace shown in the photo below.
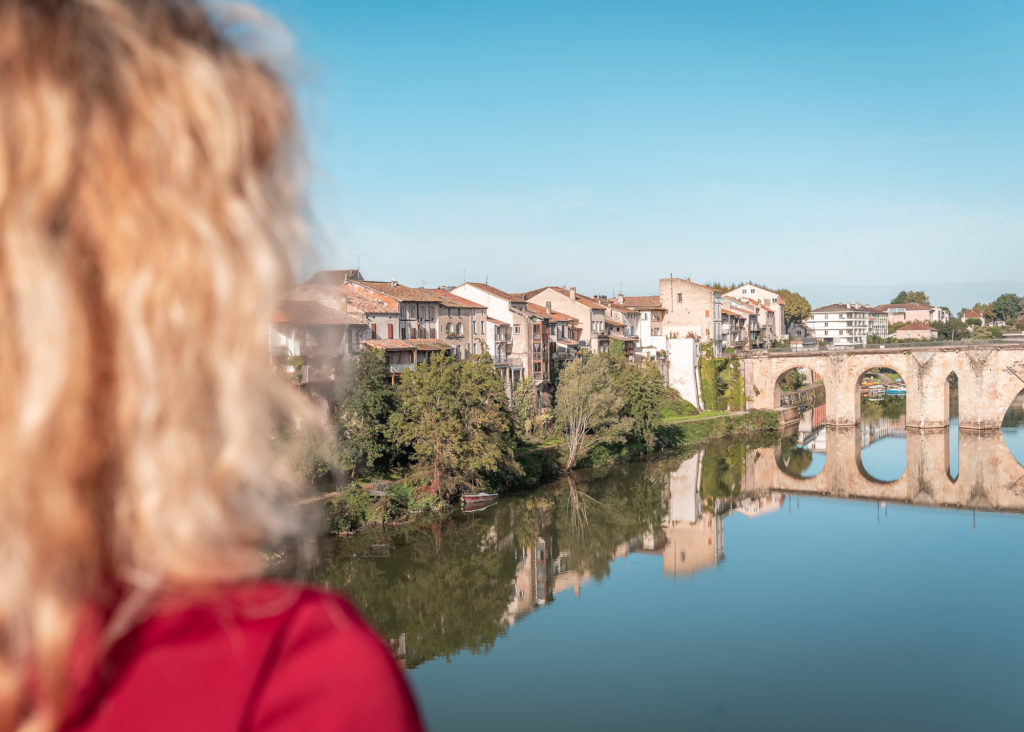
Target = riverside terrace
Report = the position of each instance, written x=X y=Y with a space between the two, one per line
x=990 y=375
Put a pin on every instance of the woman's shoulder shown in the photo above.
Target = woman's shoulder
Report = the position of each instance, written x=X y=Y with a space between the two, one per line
x=262 y=656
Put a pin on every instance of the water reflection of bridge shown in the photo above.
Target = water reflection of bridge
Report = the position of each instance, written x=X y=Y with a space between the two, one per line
x=989 y=477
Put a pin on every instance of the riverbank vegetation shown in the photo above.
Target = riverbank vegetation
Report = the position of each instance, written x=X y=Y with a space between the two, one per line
x=449 y=427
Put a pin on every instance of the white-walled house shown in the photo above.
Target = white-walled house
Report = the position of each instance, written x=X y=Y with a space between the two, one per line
x=840 y=324
x=770 y=301
x=648 y=329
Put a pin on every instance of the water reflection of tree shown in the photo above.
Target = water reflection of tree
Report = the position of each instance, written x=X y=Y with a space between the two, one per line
x=890 y=407
x=1014 y=416
x=723 y=466
x=795 y=458
x=447 y=585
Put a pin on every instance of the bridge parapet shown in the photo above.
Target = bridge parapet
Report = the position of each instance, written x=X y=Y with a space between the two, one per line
x=990 y=375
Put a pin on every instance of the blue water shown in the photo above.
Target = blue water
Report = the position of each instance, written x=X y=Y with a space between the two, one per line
x=679 y=593
x=828 y=614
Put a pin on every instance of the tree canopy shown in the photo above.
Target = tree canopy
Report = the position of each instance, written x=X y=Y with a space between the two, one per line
x=796 y=307
x=1007 y=306
x=454 y=415
x=588 y=409
x=909 y=296
x=365 y=401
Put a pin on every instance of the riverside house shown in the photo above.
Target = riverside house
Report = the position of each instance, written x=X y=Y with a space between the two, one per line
x=650 y=339
x=588 y=311
x=527 y=351
x=772 y=315
x=319 y=334
x=692 y=311
x=462 y=323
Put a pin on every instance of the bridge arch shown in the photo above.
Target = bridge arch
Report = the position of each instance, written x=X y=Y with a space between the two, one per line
x=800 y=378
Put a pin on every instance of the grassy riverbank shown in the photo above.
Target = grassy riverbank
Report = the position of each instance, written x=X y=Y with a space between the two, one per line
x=353 y=507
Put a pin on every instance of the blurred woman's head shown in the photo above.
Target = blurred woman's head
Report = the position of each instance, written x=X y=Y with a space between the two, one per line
x=147 y=218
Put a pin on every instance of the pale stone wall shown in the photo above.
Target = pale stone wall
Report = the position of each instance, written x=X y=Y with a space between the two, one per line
x=683 y=356
x=988 y=381
x=990 y=478
x=690 y=309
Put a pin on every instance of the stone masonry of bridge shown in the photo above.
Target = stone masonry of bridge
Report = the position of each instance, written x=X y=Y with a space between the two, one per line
x=989 y=377
x=989 y=479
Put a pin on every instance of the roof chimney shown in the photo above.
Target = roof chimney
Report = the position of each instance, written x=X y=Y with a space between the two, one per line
x=572 y=294
x=547 y=307
x=621 y=298
x=394 y=283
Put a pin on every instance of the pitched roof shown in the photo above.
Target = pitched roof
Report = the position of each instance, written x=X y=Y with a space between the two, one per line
x=596 y=304
x=840 y=307
x=306 y=312
x=454 y=301
x=343 y=296
x=401 y=292
x=972 y=314
x=643 y=302
x=554 y=316
x=496 y=292
x=906 y=306
x=409 y=344
x=916 y=325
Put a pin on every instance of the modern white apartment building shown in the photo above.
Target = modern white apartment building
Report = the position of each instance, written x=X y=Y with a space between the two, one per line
x=840 y=324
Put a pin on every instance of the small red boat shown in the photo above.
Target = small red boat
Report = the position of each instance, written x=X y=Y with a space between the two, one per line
x=478 y=501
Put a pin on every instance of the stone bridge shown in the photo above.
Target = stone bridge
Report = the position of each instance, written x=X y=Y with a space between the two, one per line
x=989 y=477
x=990 y=375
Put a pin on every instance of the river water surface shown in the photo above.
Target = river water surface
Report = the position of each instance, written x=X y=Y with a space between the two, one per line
x=739 y=587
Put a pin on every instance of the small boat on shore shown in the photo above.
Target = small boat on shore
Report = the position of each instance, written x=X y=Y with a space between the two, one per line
x=478 y=501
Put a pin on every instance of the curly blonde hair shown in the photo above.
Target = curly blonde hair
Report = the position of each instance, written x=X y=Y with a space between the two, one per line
x=148 y=216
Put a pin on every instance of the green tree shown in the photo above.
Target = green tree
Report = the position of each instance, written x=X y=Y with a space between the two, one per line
x=616 y=348
x=365 y=401
x=524 y=399
x=1006 y=307
x=588 y=411
x=643 y=392
x=454 y=415
x=908 y=296
x=795 y=307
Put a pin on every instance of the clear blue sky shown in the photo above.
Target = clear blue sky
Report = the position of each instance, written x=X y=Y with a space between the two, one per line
x=826 y=147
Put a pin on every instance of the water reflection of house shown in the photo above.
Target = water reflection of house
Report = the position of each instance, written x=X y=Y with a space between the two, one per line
x=757 y=505
x=693 y=539
x=882 y=427
x=540 y=575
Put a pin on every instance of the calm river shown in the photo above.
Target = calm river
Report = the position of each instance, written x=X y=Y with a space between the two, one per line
x=864 y=581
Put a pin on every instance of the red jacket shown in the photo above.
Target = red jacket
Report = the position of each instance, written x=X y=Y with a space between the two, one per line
x=262 y=657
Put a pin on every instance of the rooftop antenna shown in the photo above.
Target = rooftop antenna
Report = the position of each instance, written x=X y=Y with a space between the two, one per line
x=359 y=260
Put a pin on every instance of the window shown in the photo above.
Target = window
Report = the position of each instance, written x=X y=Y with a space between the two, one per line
x=707 y=313
x=403 y=331
x=391 y=331
x=515 y=329
x=536 y=329
x=536 y=367
x=679 y=297
x=474 y=327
